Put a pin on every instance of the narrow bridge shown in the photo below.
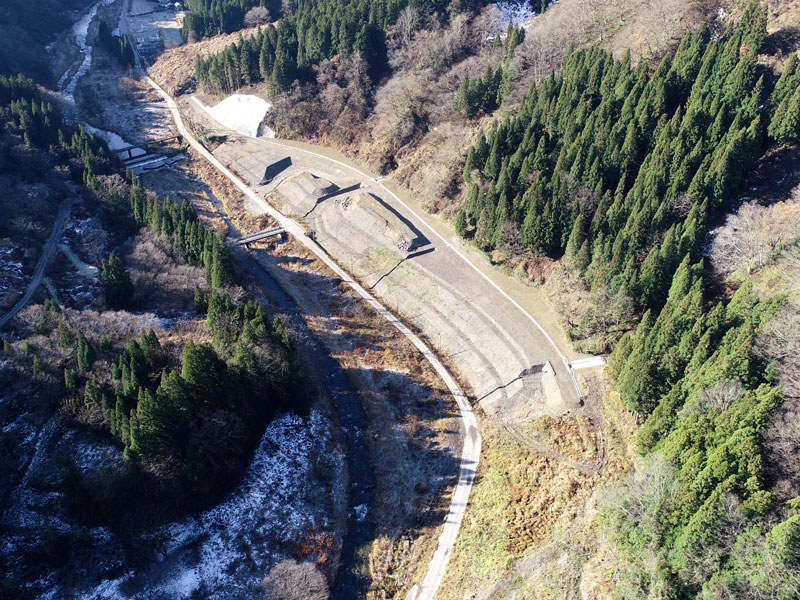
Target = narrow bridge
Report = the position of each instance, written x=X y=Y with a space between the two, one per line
x=260 y=236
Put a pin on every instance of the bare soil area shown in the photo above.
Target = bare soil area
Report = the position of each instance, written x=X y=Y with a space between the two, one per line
x=496 y=349
x=174 y=69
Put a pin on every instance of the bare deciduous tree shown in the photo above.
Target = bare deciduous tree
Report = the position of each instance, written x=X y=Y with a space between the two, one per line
x=750 y=237
x=720 y=396
x=402 y=109
x=406 y=25
x=597 y=317
x=436 y=48
x=646 y=493
x=542 y=51
x=779 y=342
x=510 y=238
x=258 y=15
x=287 y=7
x=746 y=240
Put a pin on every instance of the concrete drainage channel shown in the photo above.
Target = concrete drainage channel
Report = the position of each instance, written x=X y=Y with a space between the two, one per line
x=470 y=454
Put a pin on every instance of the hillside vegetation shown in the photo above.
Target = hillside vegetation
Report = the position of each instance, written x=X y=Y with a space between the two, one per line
x=315 y=32
x=186 y=413
x=610 y=167
x=620 y=170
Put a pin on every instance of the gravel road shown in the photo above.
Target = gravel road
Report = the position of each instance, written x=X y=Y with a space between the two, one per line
x=47 y=253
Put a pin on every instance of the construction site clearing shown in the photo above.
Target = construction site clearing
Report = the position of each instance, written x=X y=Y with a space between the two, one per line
x=298 y=192
x=507 y=362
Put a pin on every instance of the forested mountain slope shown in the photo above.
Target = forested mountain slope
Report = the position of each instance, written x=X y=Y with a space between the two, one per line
x=129 y=427
x=610 y=168
x=621 y=171
x=314 y=32
x=249 y=369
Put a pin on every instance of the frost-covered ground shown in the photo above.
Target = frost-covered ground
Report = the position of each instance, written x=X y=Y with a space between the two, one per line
x=225 y=552
x=12 y=277
x=222 y=553
x=241 y=112
x=516 y=11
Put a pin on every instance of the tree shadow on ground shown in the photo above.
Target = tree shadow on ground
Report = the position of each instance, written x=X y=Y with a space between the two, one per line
x=412 y=455
x=785 y=41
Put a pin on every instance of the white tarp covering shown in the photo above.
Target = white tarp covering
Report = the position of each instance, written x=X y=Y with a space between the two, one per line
x=241 y=112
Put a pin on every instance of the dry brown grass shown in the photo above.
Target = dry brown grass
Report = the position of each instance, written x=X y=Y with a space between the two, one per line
x=411 y=419
x=174 y=69
x=293 y=580
x=576 y=438
x=430 y=167
x=531 y=523
x=231 y=198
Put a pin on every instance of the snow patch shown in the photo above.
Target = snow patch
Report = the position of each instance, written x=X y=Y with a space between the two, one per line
x=361 y=511
x=241 y=112
x=113 y=141
x=203 y=554
x=516 y=12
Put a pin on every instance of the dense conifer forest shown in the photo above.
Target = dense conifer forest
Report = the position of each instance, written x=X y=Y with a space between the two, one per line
x=207 y=17
x=314 y=32
x=618 y=168
x=26 y=113
x=194 y=418
x=119 y=46
x=620 y=171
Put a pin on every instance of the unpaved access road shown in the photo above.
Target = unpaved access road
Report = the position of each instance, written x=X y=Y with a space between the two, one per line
x=516 y=370
x=471 y=450
x=47 y=253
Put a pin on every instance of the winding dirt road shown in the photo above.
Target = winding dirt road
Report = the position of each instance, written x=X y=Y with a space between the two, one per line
x=471 y=451
x=47 y=254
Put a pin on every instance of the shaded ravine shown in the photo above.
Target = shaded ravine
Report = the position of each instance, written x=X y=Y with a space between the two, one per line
x=69 y=79
x=348 y=583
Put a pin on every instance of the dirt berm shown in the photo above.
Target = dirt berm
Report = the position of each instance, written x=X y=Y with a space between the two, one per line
x=501 y=354
x=371 y=215
x=298 y=193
